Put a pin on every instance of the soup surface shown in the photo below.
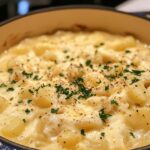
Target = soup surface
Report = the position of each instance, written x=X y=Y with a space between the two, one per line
x=76 y=91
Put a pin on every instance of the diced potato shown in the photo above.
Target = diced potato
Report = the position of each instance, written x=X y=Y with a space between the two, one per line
x=139 y=119
x=98 y=59
x=122 y=44
x=92 y=145
x=53 y=146
x=43 y=98
x=3 y=104
x=107 y=55
x=136 y=95
x=40 y=49
x=69 y=138
x=26 y=93
x=13 y=127
x=50 y=55
x=74 y=72
x=89 y=123
x=91 y=79
x=20 y=50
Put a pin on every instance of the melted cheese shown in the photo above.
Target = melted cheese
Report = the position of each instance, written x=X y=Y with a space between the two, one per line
x=76 y=90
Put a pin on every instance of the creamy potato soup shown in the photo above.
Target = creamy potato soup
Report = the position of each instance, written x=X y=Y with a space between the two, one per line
x=76 y=91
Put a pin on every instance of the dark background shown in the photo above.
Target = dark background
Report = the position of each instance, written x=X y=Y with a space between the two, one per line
x=10 y=8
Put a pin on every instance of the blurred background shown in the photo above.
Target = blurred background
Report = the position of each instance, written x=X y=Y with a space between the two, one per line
x=11 y=8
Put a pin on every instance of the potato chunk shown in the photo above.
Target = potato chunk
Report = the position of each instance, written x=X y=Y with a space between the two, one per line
x=136 y=94
x=3 y=104
x=139 y=119
x=12 y=127
x=69 y=138
x=43 y=98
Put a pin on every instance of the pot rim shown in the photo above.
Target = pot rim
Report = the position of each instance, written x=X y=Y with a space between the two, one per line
x=55 y=8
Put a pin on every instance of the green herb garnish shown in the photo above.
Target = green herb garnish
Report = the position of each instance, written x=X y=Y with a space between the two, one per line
x=27 y=74
x=3 y=85
x=127 y=51
x=137 y=72
x=27 y=111
x=29 y=101
x=24 y=120
x=61 y=75
x=107 y=88
x=13 y=81
x=102 y=134
x=132 y=134
x=98 y=45
x=61 y=90
x=54 y=110
x=89 y=63
x=10 y=89
x=31 y=91
x=36 y=77
x=10 y=70
x=104 y=116
x=82 y=132
x=114 y=102
x=134 y=80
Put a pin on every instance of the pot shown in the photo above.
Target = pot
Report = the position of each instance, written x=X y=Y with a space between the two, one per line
x=70 y=17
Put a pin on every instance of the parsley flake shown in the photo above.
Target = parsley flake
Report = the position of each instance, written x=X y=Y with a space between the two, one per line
x=10 y=89
x=27 y=75
x=29 y=101
x=54 y=110
x=107 y=88
x=134 y=80
x=89 y=63
x=104 y=116
x=3 y=85
x=82 y=131
x=27 y=111
x=10 y=70
x=137 y=72
x=132 y=134
x=114 y=102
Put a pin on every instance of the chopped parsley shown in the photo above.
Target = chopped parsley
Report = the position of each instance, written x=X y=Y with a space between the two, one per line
x=27 y=74
x=104 y=116
x=36 y=77
x=84 y=92
x=61 y=75
x=102 y=134
x=89 y=63
x=127 y=51
x=29 y=101
x=24 y=120
x=61 y=90
x=3 y=85
x=134 y=80
x=132 y=134
x=13 y=81
x=114 y=102
x=107 y=88
x=10 y=89
x=27 y=111
x=10 y=70
x=20 y=101
x=31 y=91
x=137 y=72
x=82 y=132
x=54 y=110
x=98 y=45
x=106 y=67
